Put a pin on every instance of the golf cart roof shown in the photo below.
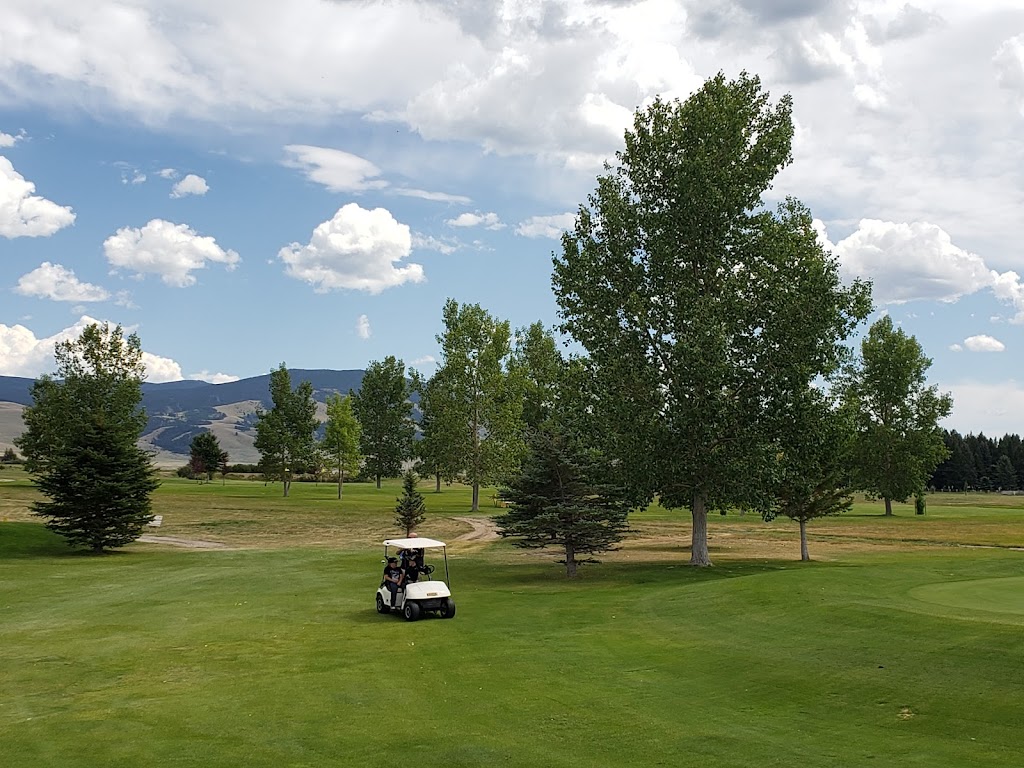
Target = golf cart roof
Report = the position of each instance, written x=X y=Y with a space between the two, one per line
x=414 y=543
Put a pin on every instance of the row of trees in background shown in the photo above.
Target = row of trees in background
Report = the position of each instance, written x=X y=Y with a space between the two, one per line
x=977 y=462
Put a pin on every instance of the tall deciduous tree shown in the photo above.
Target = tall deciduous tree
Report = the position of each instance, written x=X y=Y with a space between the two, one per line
x=284 y=434
x=481 y=406
x=815 y=476
x=205 y=454
x=384 y=410
x=538 y=367
x=701 y=311
x=440 y=449
x=899 y=443
x=80 y=440
x=341 y=438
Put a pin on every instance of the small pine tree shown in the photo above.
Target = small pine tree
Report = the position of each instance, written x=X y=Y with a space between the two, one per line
x=409 y=512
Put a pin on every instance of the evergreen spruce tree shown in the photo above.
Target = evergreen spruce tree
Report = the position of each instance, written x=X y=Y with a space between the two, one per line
x=563 y=498
x=409 y=512
x=80 y=441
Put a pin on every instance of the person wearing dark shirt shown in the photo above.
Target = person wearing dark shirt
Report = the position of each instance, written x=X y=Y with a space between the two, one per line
x=392 y=578
x=412 y=571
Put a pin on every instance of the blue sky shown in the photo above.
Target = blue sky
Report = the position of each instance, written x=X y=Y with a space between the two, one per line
x=246 y=183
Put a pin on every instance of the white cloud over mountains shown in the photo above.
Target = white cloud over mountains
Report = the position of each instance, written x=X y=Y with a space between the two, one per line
x=58 y=283
x=172 y=251
x=23 y=213
x=23 y=354
x=357 y=249
x=919 y=261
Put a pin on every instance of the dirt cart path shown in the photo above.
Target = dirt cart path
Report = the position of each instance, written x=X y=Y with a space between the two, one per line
x=175 y=541
x=484 y=529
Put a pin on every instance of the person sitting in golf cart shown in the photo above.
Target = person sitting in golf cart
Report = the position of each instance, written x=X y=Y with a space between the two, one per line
x=411 y=570
x=393 y=578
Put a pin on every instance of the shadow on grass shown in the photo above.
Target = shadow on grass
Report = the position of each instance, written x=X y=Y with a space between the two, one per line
x=667 y=572
x=25 y=540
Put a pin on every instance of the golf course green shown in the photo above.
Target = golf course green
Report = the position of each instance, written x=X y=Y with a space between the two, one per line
x=897 y=646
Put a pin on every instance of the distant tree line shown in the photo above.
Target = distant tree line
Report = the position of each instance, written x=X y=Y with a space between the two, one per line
x=980 y=463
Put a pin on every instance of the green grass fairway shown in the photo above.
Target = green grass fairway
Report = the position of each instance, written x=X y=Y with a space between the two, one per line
x=995 y=595
x=270 y=653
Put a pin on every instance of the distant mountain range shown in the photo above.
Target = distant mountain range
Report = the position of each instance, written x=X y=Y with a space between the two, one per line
x=179 y=410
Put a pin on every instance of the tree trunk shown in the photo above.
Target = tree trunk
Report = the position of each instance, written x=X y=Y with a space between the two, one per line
x=378 y=482
x=476 y=497
x=804 y=554
x=287 y=486
x=888 y=507
x=699 y=537
x=341 y=479
x=570 y=561
x=437 y=488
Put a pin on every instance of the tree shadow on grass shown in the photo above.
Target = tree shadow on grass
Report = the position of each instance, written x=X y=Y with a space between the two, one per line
x=623 y=574
x=26 y=540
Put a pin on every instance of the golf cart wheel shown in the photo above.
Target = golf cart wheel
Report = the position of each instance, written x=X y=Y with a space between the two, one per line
x=411 y=611
x=448 y=609
x=382 y=607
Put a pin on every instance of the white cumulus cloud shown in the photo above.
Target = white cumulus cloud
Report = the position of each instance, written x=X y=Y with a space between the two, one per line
x=169 y=250
x=58 y=283
x=984 y=343
x=213 y=378
x=485 y=220
x=363 y=327
x=23 y=213
x=358 y=249
x=547 y=226
x=7 y=140
x=167 y=173
x=23 y=354
x=919 y=261
x=190 y=185
x=337 y=170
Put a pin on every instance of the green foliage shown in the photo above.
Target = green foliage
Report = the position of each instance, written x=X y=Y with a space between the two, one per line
x=815 y=478
x=411 y=508
x=562 y=498
x=341 y=438
x=899 y=443
x=476 y=407
x=384 y=411
x=284 y=434
x=1005 y=475
x=703 y=313
x=205 y=454
x=80 y=440
x=10 y=457
x=538 y=368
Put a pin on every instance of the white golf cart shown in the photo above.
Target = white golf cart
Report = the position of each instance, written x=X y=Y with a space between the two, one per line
x=424 y=595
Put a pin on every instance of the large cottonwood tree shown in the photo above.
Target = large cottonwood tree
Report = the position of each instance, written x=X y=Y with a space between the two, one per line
x=384 y=410
x=341 y=438
x=899 y=443
x=477 y=405
x=701 y=310
x=285 y=433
